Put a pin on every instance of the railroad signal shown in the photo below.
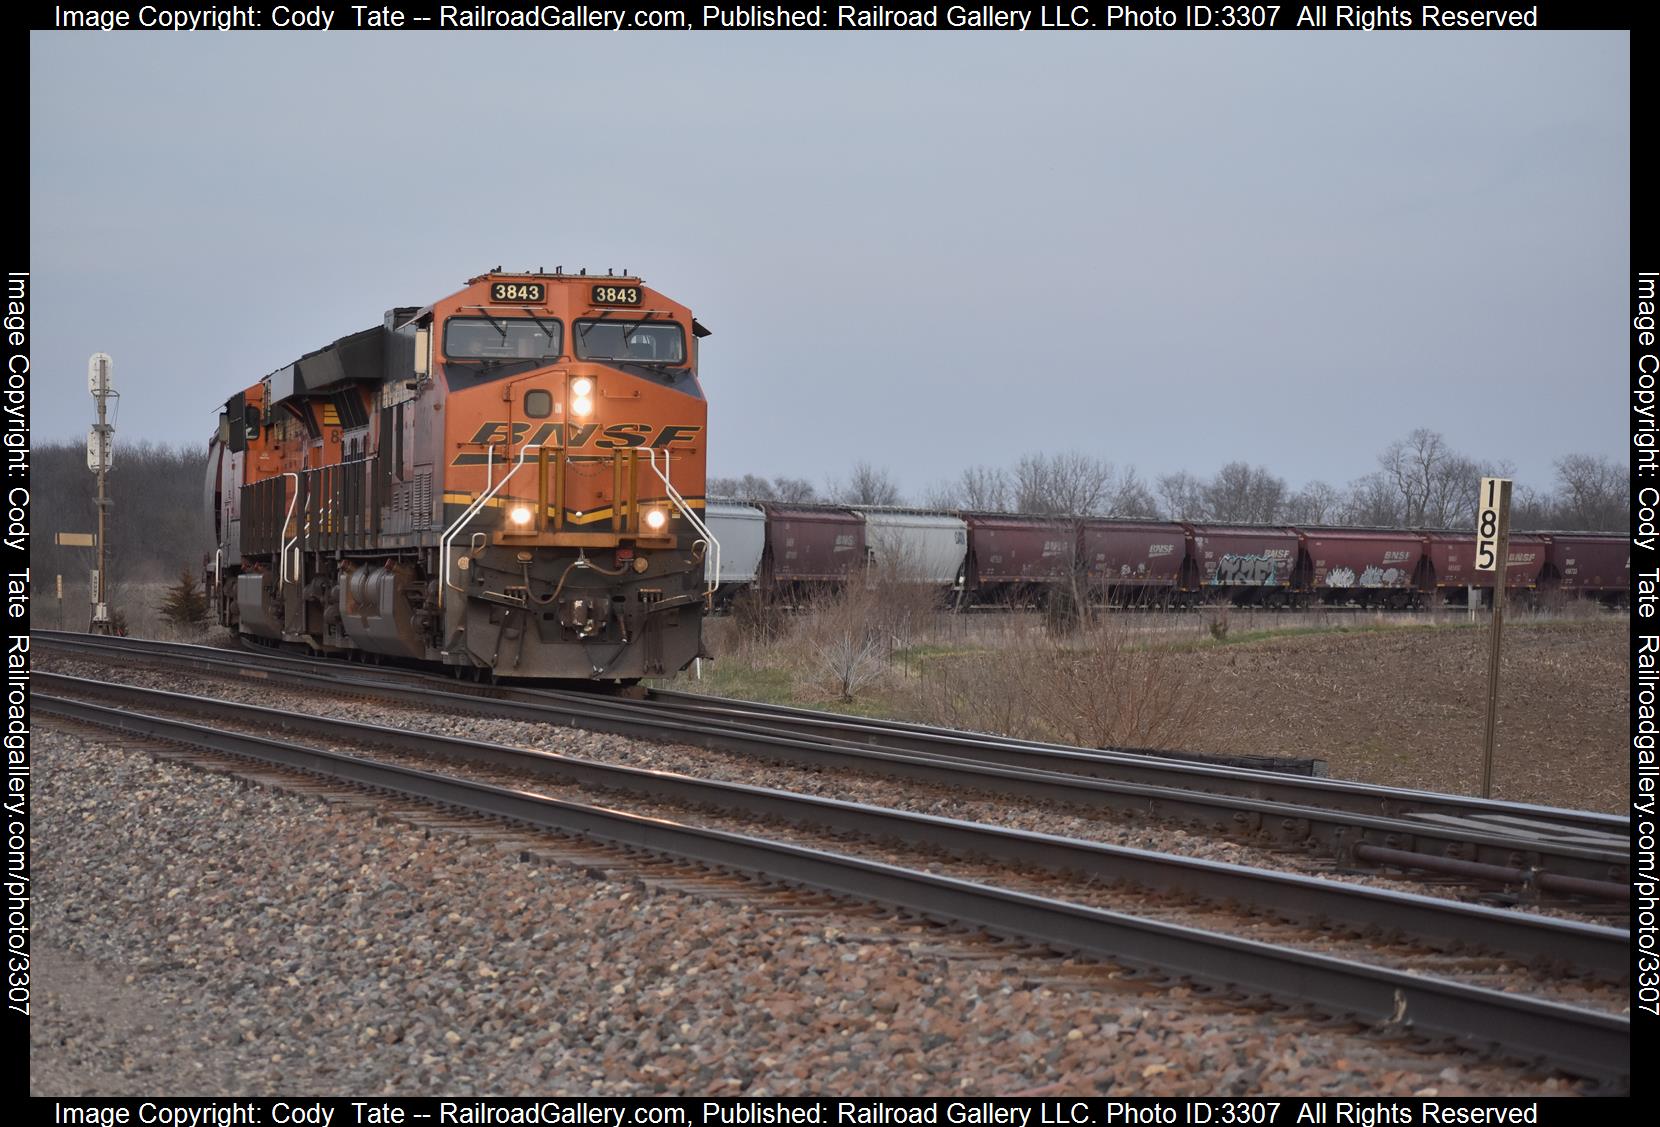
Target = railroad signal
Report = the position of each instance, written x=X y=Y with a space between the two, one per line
x=100 y=451
x=1493 y=554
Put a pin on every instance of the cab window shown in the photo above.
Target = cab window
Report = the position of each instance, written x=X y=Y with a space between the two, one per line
x=501 y=338
x=642 y=342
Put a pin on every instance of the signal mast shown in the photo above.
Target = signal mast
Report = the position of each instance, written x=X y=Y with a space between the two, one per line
x=100 y=447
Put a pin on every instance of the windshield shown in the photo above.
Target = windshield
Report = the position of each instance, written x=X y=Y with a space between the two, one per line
x=644 y=342
x=501 y=338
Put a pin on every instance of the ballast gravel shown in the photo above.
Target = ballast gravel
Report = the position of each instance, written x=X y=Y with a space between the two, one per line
x=199 y=934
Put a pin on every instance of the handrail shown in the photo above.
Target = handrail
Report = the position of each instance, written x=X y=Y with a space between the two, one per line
x=447 y=540
x=692 y=517
x=454 y=530
x=282 y=537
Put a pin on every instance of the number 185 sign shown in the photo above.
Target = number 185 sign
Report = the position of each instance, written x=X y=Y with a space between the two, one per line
x=1493 y=522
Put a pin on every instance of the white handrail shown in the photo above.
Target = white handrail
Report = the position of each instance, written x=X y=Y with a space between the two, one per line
x=282 y=564
x=692 y=517
x=462 y=521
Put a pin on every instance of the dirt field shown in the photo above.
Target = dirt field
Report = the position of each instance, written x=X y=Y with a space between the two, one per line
x=1406 y=707
x=1387 y=699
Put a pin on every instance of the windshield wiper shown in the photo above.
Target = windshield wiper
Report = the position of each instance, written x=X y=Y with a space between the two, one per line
x=494 y=324
x=584 y=330
x=549 y=332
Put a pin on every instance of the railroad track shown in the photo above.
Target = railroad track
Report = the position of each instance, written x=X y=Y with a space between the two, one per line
x=1583 y=1041
x=1556 y=851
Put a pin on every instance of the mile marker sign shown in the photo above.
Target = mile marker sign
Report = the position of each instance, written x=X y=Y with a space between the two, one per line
x=1493 y=522
x=1492 y=554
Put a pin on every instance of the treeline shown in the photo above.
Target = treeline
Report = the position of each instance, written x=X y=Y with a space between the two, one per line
x=156 y=521
x=157 y=524
x=1420 y=482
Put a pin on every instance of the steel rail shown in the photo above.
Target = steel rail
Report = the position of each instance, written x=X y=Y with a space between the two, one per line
x=1600 y=950
x=1584 y=1042
x=1331 y=794
x=1336 y=794
x=1596 y=872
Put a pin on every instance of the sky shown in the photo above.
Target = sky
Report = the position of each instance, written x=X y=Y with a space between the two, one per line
x=925 y=251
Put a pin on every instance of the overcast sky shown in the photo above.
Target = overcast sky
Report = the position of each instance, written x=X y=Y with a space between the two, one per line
x=924 y=250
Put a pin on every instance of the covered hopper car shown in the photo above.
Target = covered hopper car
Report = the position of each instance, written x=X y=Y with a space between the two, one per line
x=1007 y=559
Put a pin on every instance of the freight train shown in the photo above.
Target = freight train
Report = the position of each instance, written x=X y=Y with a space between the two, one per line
x=789 y=552
x=509 y=479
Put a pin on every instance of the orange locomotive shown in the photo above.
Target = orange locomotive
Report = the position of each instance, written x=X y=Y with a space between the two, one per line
x=510 y=479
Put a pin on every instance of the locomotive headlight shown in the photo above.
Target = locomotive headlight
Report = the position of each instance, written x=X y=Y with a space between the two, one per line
x=582 y=396
x=519 y=514
x=656 y=519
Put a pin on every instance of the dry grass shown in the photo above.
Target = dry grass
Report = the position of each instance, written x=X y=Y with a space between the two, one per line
x=137 y=604
x=1102 y=687
x=1395 y=699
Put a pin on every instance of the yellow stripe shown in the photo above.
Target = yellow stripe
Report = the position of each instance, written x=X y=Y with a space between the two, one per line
x=590 y=516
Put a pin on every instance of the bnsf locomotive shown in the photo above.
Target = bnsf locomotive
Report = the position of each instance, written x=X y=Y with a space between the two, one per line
x=509 y=480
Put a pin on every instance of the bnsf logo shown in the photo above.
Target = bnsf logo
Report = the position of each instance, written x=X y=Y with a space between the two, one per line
x=1160 y=550
x=1395 y=557
x=1056 y=547
x=617 y=436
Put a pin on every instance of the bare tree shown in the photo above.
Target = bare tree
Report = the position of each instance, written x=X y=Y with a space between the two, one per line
x=1531 y=508
x=1434 y=484
x=942 y=495
x=1592 y=494
x=157 y=524
x=1183 y=496
x=1240 y=492
x=985 y=488
x=793 y=489
x=1314 y=503
x=1069 y=484
x=867 y=485
x=749 y=487
x=1371 y=500
x=1131 y=497
x=753 y=487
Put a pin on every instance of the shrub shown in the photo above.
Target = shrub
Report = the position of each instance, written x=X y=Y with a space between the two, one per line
x=844 y=642
x=186 y=603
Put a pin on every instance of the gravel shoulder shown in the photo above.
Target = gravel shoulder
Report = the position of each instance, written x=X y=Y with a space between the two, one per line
x=203 y=935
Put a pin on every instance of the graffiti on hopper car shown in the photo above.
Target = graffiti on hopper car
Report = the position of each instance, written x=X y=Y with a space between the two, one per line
x=1244 y=571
